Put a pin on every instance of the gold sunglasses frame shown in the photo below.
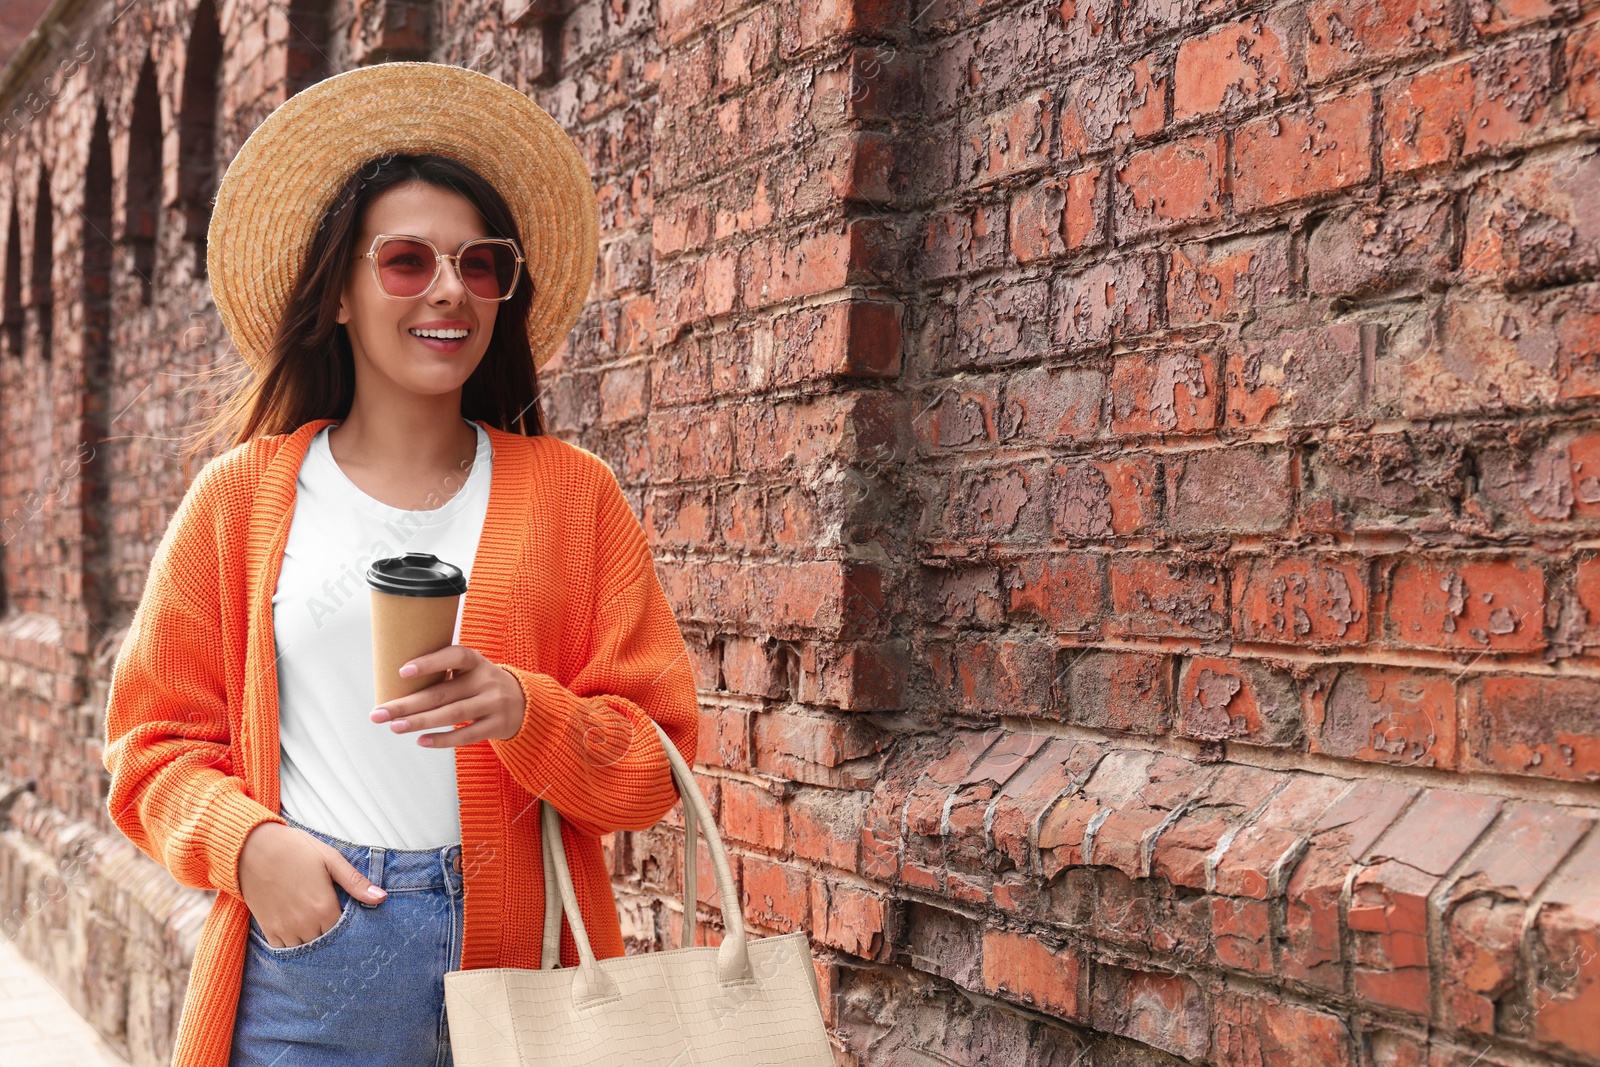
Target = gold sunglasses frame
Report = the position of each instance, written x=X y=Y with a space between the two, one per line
x=455 y=262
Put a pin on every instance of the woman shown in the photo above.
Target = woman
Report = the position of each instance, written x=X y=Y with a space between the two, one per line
x=366 y=254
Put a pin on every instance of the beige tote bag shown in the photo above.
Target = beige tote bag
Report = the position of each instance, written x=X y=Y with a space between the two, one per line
x=750 y=1003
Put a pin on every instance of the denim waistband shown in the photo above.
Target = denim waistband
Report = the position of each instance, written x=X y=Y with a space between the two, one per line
x=397 y=870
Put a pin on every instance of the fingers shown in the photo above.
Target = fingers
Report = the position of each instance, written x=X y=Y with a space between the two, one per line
x=452 y=657
x=437 y=695
x=462 y=735
x=453 y=713
x=355 y=883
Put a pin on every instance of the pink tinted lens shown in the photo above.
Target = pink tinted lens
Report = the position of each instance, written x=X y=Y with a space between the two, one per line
x=405 y=267
x=488 y=269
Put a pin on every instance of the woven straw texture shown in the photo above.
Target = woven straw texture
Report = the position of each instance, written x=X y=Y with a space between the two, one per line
x=283 y=179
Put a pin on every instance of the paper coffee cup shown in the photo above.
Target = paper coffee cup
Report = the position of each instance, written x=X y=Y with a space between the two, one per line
x=415 y=599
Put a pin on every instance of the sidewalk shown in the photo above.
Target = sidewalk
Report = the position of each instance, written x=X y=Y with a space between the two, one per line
x=38 y=1026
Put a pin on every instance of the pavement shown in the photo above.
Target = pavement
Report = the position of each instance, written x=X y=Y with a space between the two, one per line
x=38 y=1026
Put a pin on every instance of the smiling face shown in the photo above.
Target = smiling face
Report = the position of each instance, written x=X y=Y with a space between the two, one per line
x=388 y=354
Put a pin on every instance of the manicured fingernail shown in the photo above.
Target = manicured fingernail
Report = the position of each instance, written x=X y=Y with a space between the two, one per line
x=408 y=670
x=399 y=724
x=380 y=715
x=424 y=740
x=374 y=892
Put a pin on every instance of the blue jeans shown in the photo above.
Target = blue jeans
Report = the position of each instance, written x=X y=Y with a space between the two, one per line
x=370 y=989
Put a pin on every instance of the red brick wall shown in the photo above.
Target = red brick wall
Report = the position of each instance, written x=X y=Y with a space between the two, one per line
x=1127 y=472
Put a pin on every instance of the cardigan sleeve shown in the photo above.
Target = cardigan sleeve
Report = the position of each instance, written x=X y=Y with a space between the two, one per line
x=173 y=790
x=588 y=747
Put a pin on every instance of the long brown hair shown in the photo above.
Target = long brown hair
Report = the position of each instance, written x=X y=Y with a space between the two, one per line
x=310 y=368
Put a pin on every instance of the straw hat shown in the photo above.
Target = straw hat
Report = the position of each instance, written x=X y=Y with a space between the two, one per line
x=273 y=196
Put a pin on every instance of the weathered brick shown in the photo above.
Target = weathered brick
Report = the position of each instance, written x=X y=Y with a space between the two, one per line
x=1115 y=691
x=1301 y=600
x=1003 y=323
x=1170 y=185
x=1231 y=67
x=775 y=895
x=1491 y=101
x=989 y=677
x=924 y=809
x=1166 y=595
x=1224 y=279
x=1294 y=155
x=849 y=918
x=1095 y=499
x=1167 y=1011
x=1063 y=826
x=1486 y=908
x=1015 y=812
x=1032 y=972
x=1387 y=714
x=1345 y=37
x=1065 y=592
x=1012 y=141
x=1238 y=700
x=1374 y=249
x=1533 y=226
x=1053 y=405
x=1531 y=482
x=786 y=436
x=819 y=749
x=1364 y=481
x=692 y=446
x=1565 y=949
x=1301 y=376
x=1527 y=724
x=961 y=416
x=752 y=813
x=1126 y=836
x=1112 y=105
x=1311 y=950
x=850 y=338
x=1272 y=1033
x=1583 y=74
x=1494 y=604
x=966 y=839
x=1499 y=16
x=824 y=826
x=962 y=241
x=1060 y=216
x=1388 y=914
x=1260 y=859
x=1251 y=486
x=1170 y=392
x=1184 y=851
x=1110 y=299
x=1584 y=606
x=1011 y=504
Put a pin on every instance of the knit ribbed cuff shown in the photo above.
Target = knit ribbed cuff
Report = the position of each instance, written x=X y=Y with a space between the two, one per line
x=232 y=816
x=545 y=713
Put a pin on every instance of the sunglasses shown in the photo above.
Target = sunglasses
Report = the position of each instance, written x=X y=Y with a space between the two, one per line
x=406 y=267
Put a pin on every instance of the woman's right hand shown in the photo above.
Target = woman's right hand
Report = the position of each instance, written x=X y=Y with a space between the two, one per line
x=277 y=864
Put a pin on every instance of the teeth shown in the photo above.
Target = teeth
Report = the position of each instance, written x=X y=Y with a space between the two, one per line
x=449 y=335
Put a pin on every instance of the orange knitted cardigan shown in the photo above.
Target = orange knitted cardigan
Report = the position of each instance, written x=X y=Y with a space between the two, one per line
x=563 y=594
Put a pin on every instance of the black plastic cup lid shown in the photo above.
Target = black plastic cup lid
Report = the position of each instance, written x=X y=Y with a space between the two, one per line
x=416 y=574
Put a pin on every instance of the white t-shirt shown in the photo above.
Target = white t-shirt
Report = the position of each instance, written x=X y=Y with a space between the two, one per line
x=341 y=773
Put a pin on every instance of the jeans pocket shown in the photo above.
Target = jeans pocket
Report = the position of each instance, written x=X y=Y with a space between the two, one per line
x=346 y=913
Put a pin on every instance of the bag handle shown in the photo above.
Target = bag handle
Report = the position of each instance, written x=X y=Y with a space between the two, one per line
x=550 y=951
x=591 y=983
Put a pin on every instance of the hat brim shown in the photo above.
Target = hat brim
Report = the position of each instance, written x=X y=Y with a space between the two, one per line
x=276 y=190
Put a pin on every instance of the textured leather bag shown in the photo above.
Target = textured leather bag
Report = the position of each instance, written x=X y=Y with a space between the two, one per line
x=751 y=1003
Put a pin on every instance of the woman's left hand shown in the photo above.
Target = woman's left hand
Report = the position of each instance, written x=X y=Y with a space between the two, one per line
x=486 y=697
